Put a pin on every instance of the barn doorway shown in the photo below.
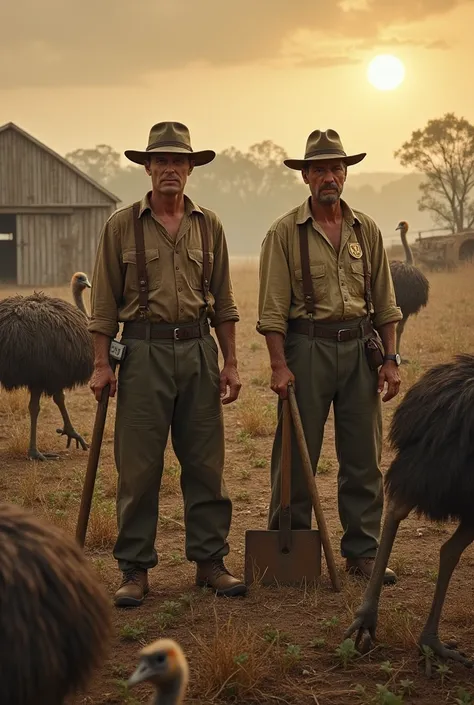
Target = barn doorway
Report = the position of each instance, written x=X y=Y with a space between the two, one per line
x=8 y=273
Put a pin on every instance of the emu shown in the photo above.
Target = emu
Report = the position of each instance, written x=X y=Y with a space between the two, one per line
x=54 y=614
x=410 y=284
x=432 y=473
x=46 y=347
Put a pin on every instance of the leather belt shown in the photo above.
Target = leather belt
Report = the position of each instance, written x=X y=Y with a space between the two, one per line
x=306 y=326
x=164 y=331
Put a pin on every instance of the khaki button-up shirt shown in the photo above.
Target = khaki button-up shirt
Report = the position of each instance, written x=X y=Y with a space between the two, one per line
x=174 y=268
x=338 y=278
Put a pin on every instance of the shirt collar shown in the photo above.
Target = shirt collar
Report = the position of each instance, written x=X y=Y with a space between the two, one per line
x=304 y=213
x=189 y=205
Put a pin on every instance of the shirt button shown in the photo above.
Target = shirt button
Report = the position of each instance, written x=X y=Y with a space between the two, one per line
x=177 y=267
x=181 y=310
x=179 y=288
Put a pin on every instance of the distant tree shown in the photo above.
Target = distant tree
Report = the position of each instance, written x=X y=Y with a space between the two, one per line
x=444 y=153
x=101 y=163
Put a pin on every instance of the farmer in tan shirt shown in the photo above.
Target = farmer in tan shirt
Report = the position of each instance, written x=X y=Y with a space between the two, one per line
x=170 y=377
x=313 y=312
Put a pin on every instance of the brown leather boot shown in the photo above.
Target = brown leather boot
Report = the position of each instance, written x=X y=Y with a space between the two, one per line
x=133 y=588
x=214 y=574
x=362 y=567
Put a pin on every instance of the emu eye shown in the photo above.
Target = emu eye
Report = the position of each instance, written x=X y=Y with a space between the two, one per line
x=160 y=658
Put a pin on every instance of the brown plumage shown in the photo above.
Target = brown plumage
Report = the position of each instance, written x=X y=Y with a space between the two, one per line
x=432 y=474
x=164 y=665
x=46 y=347
x=54 y=614
x=410 y=284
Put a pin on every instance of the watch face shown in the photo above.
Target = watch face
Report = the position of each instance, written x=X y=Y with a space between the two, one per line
x=398 y=359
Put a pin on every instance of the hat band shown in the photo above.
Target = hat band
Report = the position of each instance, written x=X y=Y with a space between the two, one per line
x=325 y=151
x=169 y=144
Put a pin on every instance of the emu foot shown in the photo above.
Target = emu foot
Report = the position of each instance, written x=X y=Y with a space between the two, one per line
x=431 y=643
x=72 y=435
x=365 y=624
x=34 y=454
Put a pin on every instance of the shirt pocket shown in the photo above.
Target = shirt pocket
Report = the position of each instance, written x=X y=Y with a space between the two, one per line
x=355 y=278
x=153 y=269
x=319 y=280
x=195 y=267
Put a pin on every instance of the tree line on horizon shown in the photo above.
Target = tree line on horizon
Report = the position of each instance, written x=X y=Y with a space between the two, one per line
x=249 y=190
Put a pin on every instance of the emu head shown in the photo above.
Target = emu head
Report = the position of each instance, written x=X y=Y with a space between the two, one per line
x=163 y=664
x=80 y=281
x=402 y=225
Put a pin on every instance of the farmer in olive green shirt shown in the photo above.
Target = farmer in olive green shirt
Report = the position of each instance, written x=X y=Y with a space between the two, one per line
x=170 y=377
x=316 y=341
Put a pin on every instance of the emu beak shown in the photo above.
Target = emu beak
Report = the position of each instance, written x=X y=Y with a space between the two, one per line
x=399 y=227
x=88 y=284
x=140 y=674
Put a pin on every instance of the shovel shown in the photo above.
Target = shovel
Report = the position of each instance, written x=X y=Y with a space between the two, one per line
x=283 y=556
x=313 y=490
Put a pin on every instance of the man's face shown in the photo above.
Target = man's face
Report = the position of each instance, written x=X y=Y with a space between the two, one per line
x=325 y=180
x=169 y=172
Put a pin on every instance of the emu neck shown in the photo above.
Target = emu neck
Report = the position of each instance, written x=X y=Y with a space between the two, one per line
x=406 y=247
x=77 y=295
x=171 y=695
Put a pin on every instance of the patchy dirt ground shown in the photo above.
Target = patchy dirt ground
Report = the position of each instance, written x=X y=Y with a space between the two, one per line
x=276 y=645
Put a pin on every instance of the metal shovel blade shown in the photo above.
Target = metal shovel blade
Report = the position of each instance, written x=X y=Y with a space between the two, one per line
x=267 y=564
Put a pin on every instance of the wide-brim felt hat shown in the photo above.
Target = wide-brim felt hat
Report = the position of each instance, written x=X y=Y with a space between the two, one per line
x=170 y=137
x=322 y=146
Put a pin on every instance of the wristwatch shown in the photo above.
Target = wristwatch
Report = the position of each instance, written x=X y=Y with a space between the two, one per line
x=396 y=358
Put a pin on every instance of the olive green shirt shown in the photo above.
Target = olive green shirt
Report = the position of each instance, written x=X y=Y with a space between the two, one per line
x=338 y=278
x=174 y=268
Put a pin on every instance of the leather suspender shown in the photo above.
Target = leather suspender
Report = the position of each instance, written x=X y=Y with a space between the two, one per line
x=141 y=261
x=308 y=291
x=365 y=263
x=205 y=258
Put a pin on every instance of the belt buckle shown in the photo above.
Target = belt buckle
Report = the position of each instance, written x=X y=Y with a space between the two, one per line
x=341 y=330
x=175 y=333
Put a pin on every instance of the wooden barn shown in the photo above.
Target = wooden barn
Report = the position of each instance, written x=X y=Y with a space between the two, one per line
x=51 y=213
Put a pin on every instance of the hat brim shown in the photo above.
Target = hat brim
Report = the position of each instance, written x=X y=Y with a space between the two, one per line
x=199 y=158
x=300 y=164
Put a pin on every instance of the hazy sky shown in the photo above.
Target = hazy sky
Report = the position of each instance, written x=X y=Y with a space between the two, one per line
x=77 y=74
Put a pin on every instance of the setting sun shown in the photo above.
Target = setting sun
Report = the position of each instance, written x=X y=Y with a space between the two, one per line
x=385 y=72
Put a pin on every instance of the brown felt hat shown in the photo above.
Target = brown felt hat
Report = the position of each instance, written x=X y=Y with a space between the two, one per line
x=170 y=137
x=323 y=145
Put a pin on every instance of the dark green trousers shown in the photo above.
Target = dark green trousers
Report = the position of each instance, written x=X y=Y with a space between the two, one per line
x=330 y=372
x=163 y=385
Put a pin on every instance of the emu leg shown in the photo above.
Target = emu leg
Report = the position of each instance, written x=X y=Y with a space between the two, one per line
x=400 y=329
x=34 y=408
x=366 y=615
x=449 y=556
x=68 y=429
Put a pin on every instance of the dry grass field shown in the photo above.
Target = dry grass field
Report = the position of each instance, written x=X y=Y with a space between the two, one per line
x=276 y=645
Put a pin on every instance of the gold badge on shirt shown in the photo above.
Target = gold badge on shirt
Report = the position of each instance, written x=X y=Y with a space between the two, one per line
x=355 y=250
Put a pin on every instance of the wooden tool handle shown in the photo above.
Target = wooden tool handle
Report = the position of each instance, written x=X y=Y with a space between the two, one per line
x=93 y=463
x=313 y=490
x=285 y=467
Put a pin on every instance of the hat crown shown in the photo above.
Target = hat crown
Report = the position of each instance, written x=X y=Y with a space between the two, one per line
x=169 y=134
x=324 y=142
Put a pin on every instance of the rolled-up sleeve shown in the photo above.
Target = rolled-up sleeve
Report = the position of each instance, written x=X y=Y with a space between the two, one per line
x=274 y=296
x=383 y=293
x=225 y=308
x=107 y=282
